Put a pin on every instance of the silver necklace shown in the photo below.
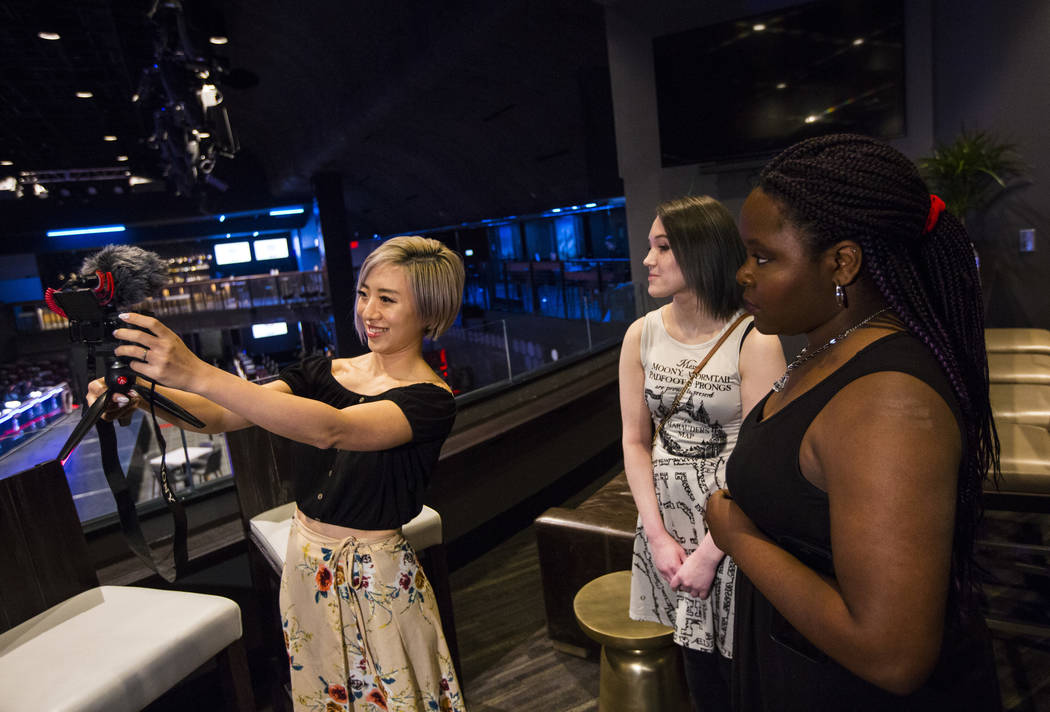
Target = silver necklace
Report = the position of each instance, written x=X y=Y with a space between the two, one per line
x=805 y=354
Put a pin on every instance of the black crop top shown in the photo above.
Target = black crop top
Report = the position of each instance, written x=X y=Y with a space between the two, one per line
x=371 y=490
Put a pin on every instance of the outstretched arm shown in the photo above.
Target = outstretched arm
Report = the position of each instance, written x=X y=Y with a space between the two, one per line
x=369 y=426
x=667 y=553
x=216 y=418
x=887 y=449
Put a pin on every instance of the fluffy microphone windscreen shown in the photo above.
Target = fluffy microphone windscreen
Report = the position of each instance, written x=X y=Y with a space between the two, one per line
x=137 y=274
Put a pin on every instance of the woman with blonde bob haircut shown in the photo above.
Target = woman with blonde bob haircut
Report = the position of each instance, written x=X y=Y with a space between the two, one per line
x=360 y=622
x=435 y=273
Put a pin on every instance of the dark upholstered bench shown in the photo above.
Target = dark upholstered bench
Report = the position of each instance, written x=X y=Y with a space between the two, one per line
x=578 y=545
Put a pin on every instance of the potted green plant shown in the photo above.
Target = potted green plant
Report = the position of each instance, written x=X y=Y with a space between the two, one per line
x=971 y=172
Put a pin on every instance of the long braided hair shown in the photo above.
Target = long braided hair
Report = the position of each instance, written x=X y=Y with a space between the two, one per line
x=848 y=186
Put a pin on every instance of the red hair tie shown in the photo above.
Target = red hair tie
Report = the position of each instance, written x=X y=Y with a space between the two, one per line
x=936 y=208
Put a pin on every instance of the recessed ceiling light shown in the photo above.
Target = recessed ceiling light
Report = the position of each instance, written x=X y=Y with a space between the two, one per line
x=858 y=42
x=759 y=27
x=122 y=158
x=84 y=95
x=218 y=40
x=109 y=137
x=49 y=36
x=782 y=85
x=7 y=163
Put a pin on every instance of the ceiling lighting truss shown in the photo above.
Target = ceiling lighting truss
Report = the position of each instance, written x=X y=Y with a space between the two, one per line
x=73 y=175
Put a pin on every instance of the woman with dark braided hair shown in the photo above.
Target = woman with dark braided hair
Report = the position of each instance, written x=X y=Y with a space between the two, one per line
x=856 y=482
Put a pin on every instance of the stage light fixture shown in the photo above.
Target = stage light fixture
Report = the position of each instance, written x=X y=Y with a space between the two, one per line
x=52 y=36
x=210 y=96
x=109 y=137
x=84 y=95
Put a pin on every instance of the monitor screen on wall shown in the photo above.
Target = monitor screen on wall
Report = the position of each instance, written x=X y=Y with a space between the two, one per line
x=271 y=248
x=228 y=253
x=748 y=88
x=262 y=331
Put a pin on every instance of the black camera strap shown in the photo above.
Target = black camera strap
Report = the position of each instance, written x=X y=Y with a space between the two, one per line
x=128 y=515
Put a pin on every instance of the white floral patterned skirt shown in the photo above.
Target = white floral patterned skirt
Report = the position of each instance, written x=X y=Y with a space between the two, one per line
x=362 y=628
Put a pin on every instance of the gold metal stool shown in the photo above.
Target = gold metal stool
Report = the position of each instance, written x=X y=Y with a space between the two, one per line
x=641 y=668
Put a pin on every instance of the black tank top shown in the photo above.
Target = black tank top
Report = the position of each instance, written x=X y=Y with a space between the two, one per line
x=774 y=666
x=764 y=474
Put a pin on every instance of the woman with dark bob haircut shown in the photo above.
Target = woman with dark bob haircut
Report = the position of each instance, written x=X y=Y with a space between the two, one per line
x=856 y=483
x=679 y=577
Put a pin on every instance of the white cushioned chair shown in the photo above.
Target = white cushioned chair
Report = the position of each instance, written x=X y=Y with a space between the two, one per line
x=69 y=644
x=269 y=531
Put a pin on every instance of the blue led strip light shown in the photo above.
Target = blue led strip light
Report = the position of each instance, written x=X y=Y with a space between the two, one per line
x=85 y=230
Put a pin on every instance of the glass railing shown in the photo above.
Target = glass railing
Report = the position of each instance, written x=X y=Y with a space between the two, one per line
x=505 y=348
x=194 y=462
x=583 y=306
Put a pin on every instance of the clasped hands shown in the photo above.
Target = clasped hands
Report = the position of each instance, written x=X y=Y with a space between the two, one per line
x=695 y=573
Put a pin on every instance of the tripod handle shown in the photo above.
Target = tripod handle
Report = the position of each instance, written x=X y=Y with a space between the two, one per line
x=91 y=416
x=170 y=406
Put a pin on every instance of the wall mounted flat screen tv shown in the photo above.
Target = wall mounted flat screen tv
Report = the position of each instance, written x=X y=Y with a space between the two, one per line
x=271 y=248
x=262 y=331
x=748 y=88
x=231 y=253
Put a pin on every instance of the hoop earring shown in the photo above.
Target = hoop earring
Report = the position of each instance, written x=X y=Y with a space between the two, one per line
x=840 y=296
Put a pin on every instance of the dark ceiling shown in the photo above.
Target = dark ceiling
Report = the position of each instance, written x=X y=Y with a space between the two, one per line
x=432 y=113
